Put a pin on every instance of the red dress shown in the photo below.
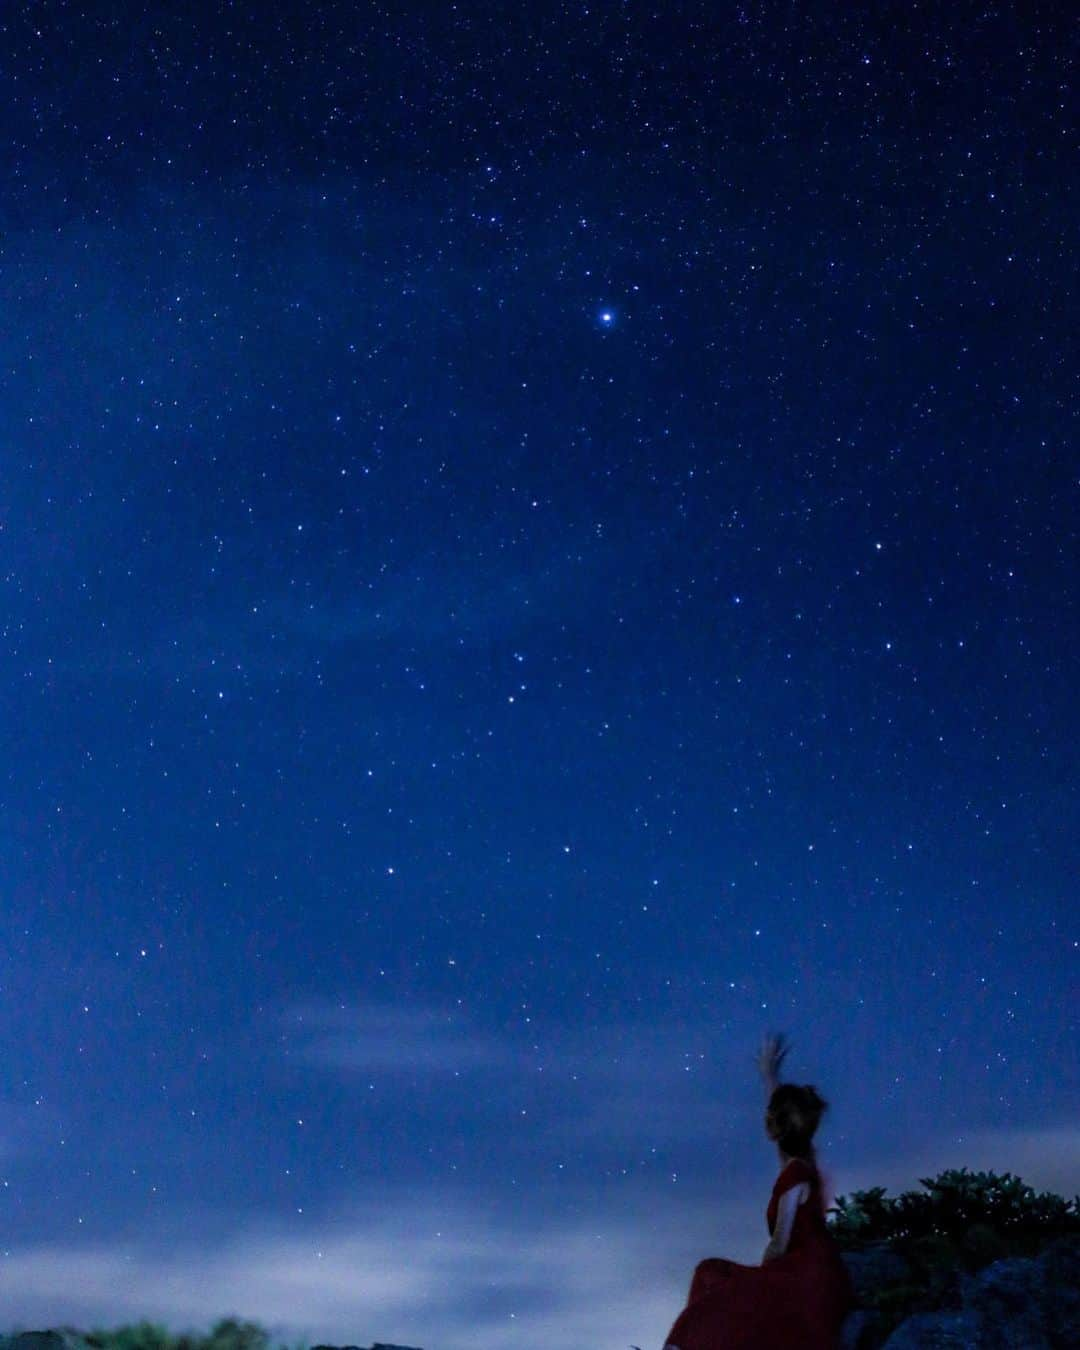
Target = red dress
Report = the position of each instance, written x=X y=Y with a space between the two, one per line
x=796 y=1301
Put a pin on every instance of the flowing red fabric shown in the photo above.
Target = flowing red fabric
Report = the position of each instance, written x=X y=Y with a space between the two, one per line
x=796 y=1301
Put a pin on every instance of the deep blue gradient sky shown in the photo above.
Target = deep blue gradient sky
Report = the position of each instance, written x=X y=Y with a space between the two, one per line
x=538 y=542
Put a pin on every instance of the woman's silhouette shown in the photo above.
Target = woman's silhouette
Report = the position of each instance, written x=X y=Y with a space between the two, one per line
x=799 y=1295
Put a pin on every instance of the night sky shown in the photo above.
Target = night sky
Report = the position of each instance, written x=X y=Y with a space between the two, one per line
x=538 y=543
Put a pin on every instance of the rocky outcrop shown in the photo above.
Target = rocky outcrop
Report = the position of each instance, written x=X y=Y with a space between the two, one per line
x=1013 y=1304
x=874 y=1267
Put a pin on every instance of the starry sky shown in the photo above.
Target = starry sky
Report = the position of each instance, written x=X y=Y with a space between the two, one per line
x=538 y=542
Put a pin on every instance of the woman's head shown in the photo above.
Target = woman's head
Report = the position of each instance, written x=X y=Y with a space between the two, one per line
x=792 y=1117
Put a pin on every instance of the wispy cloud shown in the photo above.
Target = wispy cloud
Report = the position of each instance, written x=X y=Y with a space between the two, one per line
x=606 y=1092
x=451 y=1271
x=464 y=597
x=598 y=1089
x=389 y=1038
x=594 y=1256
x=440 y=1276
x=282 y=631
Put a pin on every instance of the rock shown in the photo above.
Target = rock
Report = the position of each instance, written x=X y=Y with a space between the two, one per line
x=860 y=1330
x=873 y=1267
x=1008 y=1298
x=1061 y=1269
x=1014 y=1304
x=937 y=1331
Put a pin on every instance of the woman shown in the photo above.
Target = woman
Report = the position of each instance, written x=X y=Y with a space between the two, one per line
x=801 y=1292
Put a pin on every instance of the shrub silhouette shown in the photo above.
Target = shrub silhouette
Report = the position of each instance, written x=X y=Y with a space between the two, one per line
x=226 y=1334
x=979 y=1213
x=137 y=1336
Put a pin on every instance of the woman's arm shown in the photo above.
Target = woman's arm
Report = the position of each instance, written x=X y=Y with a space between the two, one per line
x=770 y=1057
x=785 y=1220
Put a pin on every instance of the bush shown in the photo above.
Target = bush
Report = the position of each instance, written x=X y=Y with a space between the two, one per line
x=978 y=1213
x=227 y=1334
x=137 y=1336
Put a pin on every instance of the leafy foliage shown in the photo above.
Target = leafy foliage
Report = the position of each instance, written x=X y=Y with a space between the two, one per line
x=980 y=1214
x=227 y=1334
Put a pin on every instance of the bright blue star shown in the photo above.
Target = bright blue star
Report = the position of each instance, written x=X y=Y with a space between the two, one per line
x=606 y=318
